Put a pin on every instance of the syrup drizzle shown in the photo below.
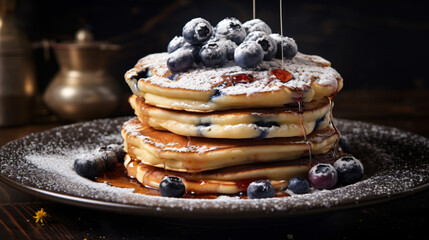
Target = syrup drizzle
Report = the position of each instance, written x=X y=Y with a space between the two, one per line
x=301 y=117
x=254 y=9
x=118 y=177
x=331 y=123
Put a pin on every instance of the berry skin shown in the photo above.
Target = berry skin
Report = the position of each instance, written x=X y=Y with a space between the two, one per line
x=298 y=185
x=213 y=54
x=89 y=166
x=256 y=25
x=260 y=189
x=180 y=60
x=290 y=49
x=248 y=54
x=344 y=144
x=195 y=49
x=229 y=46
x=323 y=176
x=267 y=43
x=175 y=43
x=172 y=187
x=350 y=170
x=110 y=159
x=118 y=150
x=197 y=31
x=230 y=28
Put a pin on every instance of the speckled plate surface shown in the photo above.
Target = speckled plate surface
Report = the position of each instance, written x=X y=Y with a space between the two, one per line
x=396 y=165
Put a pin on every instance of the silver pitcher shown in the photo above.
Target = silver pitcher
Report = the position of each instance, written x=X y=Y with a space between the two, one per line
x=83 y=89
x=17 y=75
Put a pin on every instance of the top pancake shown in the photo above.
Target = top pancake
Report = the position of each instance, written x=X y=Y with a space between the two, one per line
x=203 y=89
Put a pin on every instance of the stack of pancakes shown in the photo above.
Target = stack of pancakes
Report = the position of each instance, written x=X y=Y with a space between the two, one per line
x=219 y=129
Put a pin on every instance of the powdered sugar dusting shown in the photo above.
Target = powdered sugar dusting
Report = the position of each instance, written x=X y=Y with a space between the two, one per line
x=395 y=162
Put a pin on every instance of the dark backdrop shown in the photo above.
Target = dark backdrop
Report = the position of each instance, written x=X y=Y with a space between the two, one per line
x=373 y=44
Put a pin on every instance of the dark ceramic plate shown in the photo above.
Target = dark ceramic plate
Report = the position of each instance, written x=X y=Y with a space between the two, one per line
x=396 y=165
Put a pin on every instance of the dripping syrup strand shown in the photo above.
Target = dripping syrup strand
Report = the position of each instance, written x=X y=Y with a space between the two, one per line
x=281 y=31
x=301 y=117
x=331 y=122
x=254 y=9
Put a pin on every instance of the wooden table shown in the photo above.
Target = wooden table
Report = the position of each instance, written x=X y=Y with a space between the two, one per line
x=405 y=218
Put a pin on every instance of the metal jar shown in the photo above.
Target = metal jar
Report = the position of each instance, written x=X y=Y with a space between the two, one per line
x=83 y=89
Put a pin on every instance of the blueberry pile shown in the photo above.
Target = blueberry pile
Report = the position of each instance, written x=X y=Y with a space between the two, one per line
x=246 y=44
x=95 y=164
x=346 y=170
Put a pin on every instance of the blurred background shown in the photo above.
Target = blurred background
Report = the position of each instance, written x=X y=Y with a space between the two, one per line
x=376 y=46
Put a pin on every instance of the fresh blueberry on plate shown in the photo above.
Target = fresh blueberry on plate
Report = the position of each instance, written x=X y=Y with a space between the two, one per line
x=290 y=49
x=256 y=25
x=172 y=186
x=344 y=144
x=213 y=54
x=298 y=185
x=175 y=43
x=350 y=170
x=110 y=159
x=323 y=176
x=248 y=54
x=197 y=31
x=89 y=166
x=118 y=150
x=265 y=41
x=230 y=28
x=180 y=60
x=260 y=189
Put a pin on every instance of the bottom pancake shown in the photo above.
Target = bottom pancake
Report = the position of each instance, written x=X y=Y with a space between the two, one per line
x=230 y=180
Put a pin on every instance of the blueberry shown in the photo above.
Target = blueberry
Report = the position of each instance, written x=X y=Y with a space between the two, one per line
x=298 y=185
x=213 y=54
x=204 y=124
x=323 y=176
x=144 y=73
x=344 y=144
x=89 y=166
x=267 y=124
x=197 y=31
x=350 y=170
x=318 y=121
x=230 y=28
x=175 y=43
x=256 y=25
x=229 y=46
x=216 y=93
x=260 y=189
x=172 y=187
x=290 y=48
x=180 y=60
x=118 y=150
x=248 y=54
x=195 y=49
x=267 y=43
x=109 y=157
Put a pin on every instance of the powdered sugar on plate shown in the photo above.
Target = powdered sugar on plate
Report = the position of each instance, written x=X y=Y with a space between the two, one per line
x=396 y=163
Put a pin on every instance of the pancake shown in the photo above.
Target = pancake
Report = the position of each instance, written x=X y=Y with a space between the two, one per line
x=237 y=124
x=192 y=154
x=231 y=180
x=304 y=78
